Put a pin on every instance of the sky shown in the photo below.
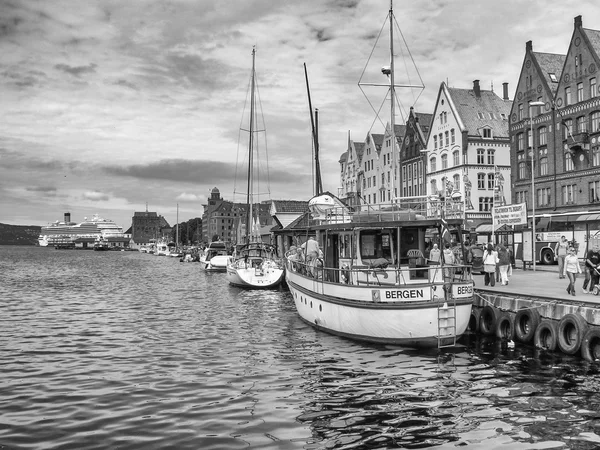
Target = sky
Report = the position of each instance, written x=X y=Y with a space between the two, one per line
x=111 y=107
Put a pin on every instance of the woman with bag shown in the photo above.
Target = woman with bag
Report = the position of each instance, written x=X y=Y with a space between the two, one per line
x=571 y=269
x=490 y=259
x=503 y=263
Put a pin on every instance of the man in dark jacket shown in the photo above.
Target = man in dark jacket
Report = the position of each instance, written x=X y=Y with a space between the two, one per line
x=592 y=265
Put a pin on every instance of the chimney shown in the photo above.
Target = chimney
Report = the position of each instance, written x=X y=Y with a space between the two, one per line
x=529 y=46
x=67 y=217
x=476 y=88
x=505 y=91
x=578 y=22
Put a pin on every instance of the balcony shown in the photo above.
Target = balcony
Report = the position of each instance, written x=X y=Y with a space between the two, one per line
x=578 y=141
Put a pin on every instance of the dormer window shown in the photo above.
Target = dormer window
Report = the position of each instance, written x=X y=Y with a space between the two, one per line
x=486 y=133
x=480 y=115
x=553 y=77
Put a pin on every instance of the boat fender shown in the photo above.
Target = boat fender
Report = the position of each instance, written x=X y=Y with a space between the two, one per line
x=505 y=326
x=526 y=322
x=473 y=325
x=571 y=331
x=546 y=335
x=488 y=319
x=590 y=347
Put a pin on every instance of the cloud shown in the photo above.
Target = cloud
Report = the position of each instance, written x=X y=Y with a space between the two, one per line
x=42 y=189
x=95 y=196
x=78 y=70
x=185 y=197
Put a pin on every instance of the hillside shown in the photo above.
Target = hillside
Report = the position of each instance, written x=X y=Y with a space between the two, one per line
x=19 y=234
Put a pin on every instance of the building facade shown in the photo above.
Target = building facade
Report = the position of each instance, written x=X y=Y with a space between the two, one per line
x=148 y=225
x=412 y=157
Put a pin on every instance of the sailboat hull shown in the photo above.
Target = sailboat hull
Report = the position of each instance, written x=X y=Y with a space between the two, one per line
x=253 y=277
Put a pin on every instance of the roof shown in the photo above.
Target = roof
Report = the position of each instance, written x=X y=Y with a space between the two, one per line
x=550 y=63
x=475 y=111
x=290 y=206
x=343 y=157
x=360 y=148
x=378 y=139
x=594 y=37
x=144 y=214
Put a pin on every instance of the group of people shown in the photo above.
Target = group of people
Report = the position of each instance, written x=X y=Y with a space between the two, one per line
x=569 y=267
x=496 y=264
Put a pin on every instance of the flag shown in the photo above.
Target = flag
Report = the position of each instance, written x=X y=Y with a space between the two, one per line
x=445 y=235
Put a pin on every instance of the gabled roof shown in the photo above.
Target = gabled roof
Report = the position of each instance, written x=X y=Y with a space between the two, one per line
x=377 y=139
x=290 y=206
x=343 y=157
x=550 y=63
x=475 y=110
x=594 y=38
x=360 y=148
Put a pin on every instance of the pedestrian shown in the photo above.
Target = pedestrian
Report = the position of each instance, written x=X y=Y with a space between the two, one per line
x=571 y=269
x=435 y=254
x=592 y=261
x=560 y=252
x=503 y=263
x=449 y=260
x=490 y=259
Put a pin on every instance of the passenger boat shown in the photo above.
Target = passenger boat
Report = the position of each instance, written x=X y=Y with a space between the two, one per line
x=255 y=265
x=215 y=257
x=101 y=245
x=373 y=282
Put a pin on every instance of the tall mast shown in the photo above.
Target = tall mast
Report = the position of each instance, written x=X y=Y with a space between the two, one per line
x=392 y=104
x=314 y=121
x=249 y=197
x=177 y=234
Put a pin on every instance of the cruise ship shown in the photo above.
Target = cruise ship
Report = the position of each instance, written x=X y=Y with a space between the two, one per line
x=66 y=232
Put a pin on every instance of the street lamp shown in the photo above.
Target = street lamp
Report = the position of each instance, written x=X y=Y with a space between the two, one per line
x=531 y=105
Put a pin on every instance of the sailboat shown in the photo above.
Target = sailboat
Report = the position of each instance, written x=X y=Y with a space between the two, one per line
x=373 y=282
x=255 y=263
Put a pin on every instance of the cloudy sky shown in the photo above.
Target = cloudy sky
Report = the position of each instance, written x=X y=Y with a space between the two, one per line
x=106 y=106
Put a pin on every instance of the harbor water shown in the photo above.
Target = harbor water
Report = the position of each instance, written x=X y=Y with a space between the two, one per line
x=124 y=350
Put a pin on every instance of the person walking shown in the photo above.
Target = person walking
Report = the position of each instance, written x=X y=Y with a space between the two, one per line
x=592 y=260
x=571 y=269
x=449 y=260
x=490 y=259
x=560 y=251
x=503 y=263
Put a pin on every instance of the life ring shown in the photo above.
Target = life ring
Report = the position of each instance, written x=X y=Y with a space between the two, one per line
x=571 y=330
x=526 y=322
x=487 y=320
x=590 y=346
x=505 y=326
x=473 y=325
x=546 y=335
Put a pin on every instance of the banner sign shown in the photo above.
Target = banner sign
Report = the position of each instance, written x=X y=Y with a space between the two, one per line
x=510 y=215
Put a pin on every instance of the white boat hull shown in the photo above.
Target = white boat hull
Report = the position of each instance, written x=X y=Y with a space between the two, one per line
x=404 y=315
x=215 y=264
x=270 y=276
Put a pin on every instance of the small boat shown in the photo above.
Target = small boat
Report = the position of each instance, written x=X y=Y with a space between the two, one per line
x=162 y=248
x=101 y=245
x=215 y=257
x=255 y=264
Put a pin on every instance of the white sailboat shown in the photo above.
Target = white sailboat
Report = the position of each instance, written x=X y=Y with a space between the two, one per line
x=373 y=282
x=255 y=264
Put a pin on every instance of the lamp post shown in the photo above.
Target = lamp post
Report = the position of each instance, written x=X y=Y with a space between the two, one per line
x=534 y=251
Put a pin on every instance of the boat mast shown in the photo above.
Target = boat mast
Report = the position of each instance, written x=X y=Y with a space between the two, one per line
x=315 y=132
x=392 y=102
x=249 y=197
x=177 y=230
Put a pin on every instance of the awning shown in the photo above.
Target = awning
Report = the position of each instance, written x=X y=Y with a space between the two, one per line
x=542 y=224
x=593 y=217
x=484 y=228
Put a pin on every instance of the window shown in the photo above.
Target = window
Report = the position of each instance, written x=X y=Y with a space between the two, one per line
x=593 y=90
x=481 y=181
x=596 y=155
x=435 y=142
x=374 y=181
x=432 y=164
x=542 y=139
x=486 y=203
x=544 y=166
x=490 y=183
x=520 y=142
x=457 y=182
x=520 y=111
x=480 y=156
x=543 y=197
x=382 y=179
x=520 y=196
x=568 y=194
x=594 y=188
x=579 y=92
x=569 y=166
x=522 y=170
x=441 y=140
x=456 y=158
x=487 y=133
x=553 y=77
x=490 y=156
x=452 y=137
x=595 y=122
x=444 y=161
x=480 y=115
x=581 y=124
x=568 y=99
x=447 y=138
x=568 y=128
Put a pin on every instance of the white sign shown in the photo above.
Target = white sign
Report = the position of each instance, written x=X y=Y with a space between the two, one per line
x=510 y=215
x=462 y=290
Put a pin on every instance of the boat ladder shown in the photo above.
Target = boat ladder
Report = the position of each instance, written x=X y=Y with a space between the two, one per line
x=447 y=320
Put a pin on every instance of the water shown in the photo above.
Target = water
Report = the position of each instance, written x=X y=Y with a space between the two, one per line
x=123 y=350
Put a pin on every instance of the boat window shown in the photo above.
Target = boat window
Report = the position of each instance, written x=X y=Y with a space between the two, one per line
x=375 y=244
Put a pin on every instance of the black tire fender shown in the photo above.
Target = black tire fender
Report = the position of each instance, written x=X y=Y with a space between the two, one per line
x=571 y=330
x=473 y=325
x=526 y=322
x=505 y=326
x=546 y=335
x=590 y=347
x=487 y=320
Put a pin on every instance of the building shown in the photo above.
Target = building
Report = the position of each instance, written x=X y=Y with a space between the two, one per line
x=412 y=158
x=468 y=150
x=148 y=225
x=561 y=176
x=350 y=165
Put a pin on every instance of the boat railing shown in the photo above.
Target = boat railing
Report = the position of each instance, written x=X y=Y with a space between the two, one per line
x=399 y=209
x=372 y=276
